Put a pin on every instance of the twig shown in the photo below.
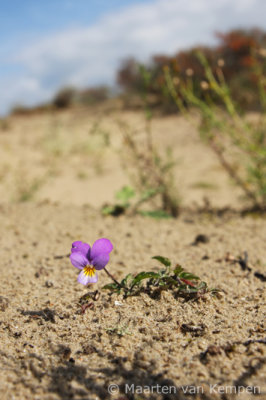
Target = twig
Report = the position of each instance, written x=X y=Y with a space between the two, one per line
x=233 y=173
x=59 y=257
x=243 y=262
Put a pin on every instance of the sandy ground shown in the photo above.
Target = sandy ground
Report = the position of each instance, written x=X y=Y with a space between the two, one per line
x=150 y=347
x=76 y=157
x=50 y=350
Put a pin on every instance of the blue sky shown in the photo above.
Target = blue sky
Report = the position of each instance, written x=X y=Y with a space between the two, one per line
x=24 y=21
x=49 y=44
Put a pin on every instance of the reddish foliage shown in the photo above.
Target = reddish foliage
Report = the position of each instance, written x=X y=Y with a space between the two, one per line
x=236 y=52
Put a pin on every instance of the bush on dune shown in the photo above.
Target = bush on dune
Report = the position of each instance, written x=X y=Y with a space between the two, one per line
x=236 y=52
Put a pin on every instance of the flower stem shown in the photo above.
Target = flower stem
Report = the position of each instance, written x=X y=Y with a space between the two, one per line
x=113 y=278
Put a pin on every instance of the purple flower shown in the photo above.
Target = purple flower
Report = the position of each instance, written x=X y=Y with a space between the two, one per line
x=89 y=259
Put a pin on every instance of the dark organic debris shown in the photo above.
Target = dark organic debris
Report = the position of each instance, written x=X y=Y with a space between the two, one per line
x=41 y=271
x=250 y=341
x=89 y=296
x=243 y=262
x=64 y=352
x=59 y=257
x=194 y=330
x=46 y=314
x=114 y=210
x=85 y=301
x=260 y=276
x=48 y=284
x=85 y=306
x=201 y=238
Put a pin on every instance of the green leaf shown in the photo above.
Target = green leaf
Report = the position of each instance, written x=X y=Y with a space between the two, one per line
x=188 y=276
x=114 y=210
x=143 y=275
x=202 y=285
x=126 y=279
x=178 y=269
x=111 y=286
x=107 y=210
x=163 y=272
x=124 y=194
x=148 y=194
x=163 y=260
x=168 y=280
x=156 y=214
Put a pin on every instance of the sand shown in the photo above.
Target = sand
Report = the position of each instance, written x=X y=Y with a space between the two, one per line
x=77 y=157
x=154 y=347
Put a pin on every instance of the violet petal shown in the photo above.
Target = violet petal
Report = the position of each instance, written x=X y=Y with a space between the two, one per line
x=99 y=247
x=78 y=260
x=84 y=279
x=100 y=261
x=81 y=247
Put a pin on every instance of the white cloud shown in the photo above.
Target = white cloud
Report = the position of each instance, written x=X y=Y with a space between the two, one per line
x=88 y=56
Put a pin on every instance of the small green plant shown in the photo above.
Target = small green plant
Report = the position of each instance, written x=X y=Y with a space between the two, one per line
x=127 y=200
x=150 y=170
x=204 y=185
x=175 y=278
x=119 y=330
x=26 y=189
x=239 y=144
x=123 y=202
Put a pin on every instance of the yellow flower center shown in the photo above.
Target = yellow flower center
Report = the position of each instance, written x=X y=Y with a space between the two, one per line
x=89 y=270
